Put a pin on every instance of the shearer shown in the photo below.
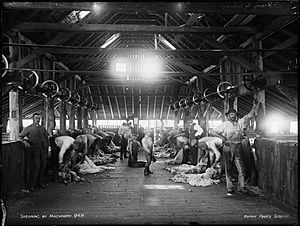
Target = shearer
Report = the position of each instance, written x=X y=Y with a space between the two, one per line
x=211 y=147
x=85 y=145
x=231 y=133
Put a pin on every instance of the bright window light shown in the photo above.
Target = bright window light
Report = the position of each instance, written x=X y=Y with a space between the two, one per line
x=180 y=124
x=149 y=68
x=274 y=126
x=97 y=8
x=276 y=123
x=120 y=67
x=294 y=127
x=83 y=14
x=26 y=122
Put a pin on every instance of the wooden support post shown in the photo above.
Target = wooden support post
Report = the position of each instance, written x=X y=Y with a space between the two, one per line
x=176 y=119
x=225 y=101
x=136 y=114
x=14 y=115
x=203 y=121
x=72 y=117
x=15 y=106
x=94 y=118
x=79 y=117
x=85 y=118
x=72 y=108
x=235 y=103
x=62 y=120
x=49 y=115
x=260 y=95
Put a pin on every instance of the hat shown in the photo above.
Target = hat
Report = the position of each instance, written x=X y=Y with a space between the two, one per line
x=231 y=111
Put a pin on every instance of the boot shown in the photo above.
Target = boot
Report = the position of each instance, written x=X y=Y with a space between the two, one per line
x=150 y=172
x=146 y=171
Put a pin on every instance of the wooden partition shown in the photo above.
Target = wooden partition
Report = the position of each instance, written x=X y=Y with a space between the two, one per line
x=13 y=160
x=278 y=169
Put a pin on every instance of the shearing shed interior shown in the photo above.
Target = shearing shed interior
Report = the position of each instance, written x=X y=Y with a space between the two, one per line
x=149 y=112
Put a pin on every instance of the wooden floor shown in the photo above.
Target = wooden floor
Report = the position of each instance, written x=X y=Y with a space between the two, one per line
x=126 y=196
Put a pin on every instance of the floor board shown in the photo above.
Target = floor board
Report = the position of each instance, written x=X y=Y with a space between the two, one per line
x=125 y=196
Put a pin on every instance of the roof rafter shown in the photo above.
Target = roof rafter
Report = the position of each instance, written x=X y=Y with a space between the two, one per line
x=261 y=8
x=128 y=28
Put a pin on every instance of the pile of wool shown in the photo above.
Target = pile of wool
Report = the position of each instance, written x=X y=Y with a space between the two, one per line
x=162 y=155
x=191 y=175
x=88 y=166
x=102 y=160
x=197 y=180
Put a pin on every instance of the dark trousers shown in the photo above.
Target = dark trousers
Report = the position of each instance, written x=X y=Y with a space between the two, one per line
x=124 y=143
x=37 y=166
x=148 y=157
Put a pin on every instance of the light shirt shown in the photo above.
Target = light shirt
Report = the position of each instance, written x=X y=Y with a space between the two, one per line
x=147 y=144
x=233 y=131
x=199 y=130
x=213 y=143
x=125 y=131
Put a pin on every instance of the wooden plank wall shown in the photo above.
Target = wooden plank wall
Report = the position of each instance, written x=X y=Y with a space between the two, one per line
x=278 y=170
x=13 y=168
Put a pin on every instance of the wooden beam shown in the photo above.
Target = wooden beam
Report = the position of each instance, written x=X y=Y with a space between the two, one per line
x=26 y=59
x=200 y=61
x=128 y=28
x=236 y=20
x=194 y=17
x=219 y=50
x=162 y=104
x=221 y=7
x=154 y=105
x=283 y=45
x=117 y=82
x=100 y=97
x=238 y=59
x=140 y=101
x=275 y=25
x=290 y=93
x=117 y=103
x=147 y=116
x=132 y=101
x=110 y=105
x=125 y=103
x=162 y=52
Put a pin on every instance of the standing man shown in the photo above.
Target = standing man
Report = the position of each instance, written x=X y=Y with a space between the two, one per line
x=231 y=133
x=38 y=137
x=195 y=132
x=124 y=132
x=147 y=144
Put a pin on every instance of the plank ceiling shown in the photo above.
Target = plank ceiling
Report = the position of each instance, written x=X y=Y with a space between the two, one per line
x=195 y=29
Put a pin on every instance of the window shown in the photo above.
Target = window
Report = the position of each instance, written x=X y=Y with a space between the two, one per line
x=294 y=127
x=120 y=67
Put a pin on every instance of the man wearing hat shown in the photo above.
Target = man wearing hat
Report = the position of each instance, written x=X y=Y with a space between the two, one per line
x=231 y=133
